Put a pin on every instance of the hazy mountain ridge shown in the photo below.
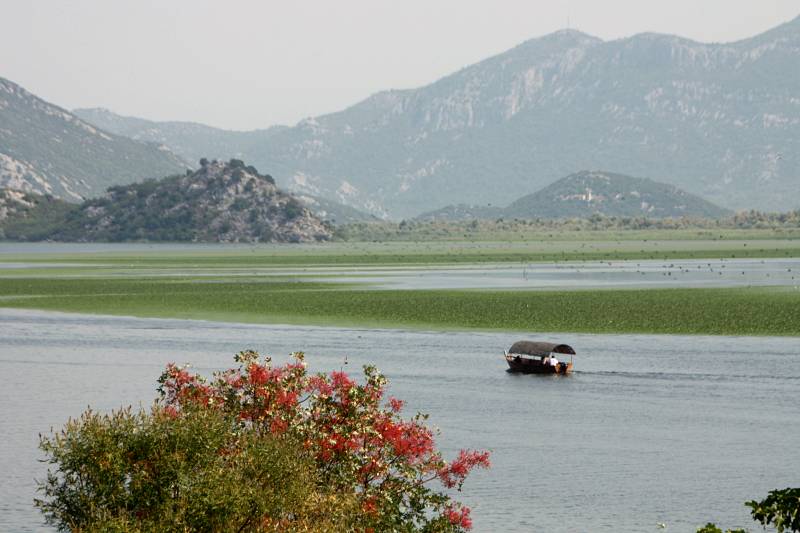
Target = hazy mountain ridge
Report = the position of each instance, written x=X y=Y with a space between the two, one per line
x=333 y=211
x=653 y=105
x=586 y=193
x=718 y=120
x=220 y=202
x=48 y=150
x=190 y=140
x=649 y=105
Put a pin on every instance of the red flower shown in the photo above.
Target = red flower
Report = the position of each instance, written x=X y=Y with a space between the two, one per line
x=456 y=472
x=370 y=506
x=320 y=385
x=278 y=426
x=409 y=439
x=342 y=382
x=258 y=374
x=396 y=405
x=459 y=516
x=286 y=399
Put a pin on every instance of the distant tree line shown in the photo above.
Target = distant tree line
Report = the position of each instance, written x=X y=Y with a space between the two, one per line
x=385 y=230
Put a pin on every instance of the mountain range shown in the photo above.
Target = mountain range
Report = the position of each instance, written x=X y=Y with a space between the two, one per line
x=48 y=150
x=586 y=193
x=719 y=120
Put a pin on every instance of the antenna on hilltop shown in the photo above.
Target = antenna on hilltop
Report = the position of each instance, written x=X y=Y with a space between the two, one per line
x=569 y=25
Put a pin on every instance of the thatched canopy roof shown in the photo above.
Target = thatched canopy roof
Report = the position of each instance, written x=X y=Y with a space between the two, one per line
x=540 y=348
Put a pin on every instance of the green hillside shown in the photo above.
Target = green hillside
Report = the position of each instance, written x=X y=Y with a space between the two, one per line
x=586 y=193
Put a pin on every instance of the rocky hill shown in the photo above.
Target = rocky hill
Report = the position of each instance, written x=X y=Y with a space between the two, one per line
x=47 y=150
x=585 y=193
x=220 y=202
x=193 y=141
x=718 y=120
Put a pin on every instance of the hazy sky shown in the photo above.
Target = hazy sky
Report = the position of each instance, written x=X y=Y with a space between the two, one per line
x=248 y=64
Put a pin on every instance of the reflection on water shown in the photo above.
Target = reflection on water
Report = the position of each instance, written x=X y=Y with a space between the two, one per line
x=649 y=429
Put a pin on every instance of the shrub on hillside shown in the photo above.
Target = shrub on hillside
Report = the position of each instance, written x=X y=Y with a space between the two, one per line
x=292 y=209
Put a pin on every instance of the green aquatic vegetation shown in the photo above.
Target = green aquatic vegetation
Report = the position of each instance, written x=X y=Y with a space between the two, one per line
x=269 y=284
x=203 y=258
x=745 y=311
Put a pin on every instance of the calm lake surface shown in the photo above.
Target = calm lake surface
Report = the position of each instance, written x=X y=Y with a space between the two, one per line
x=649 y=429
x=629 y=274
x=633 y=274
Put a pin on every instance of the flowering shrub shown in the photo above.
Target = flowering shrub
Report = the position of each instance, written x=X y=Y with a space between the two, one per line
x=154 y=471
x=359 y=445
x=371 y=469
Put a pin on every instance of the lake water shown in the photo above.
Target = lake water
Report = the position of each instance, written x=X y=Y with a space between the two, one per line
x=634 y=274
x=649 y=429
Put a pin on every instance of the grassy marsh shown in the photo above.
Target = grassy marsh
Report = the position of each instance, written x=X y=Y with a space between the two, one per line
x=598 y=248
x=746 y=311
x=268 y=284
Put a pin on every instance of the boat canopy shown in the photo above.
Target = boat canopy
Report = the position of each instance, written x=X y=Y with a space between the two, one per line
x=540 y=348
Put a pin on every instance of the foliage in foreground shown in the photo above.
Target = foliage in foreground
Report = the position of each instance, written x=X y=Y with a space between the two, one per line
x=780 y=509
x=258 y=448
x=155 y=472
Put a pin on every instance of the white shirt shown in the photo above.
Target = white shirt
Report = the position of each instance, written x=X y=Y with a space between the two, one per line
x=553 y=361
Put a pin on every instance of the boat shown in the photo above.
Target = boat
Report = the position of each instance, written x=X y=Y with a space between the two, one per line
x=532 y=357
